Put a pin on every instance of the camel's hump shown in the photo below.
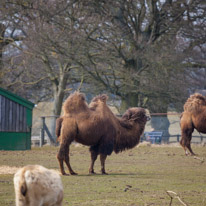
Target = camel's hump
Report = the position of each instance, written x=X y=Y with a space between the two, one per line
x=102 y=97
x=194 y=102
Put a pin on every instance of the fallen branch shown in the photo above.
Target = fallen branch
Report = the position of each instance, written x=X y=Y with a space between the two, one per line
x=198 y=158
x=170 y=193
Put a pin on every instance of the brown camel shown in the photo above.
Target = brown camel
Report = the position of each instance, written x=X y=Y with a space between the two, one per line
x=193 y=117
x=96 y=126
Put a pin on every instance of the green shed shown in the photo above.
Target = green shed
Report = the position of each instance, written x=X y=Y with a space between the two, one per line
x=15 y=121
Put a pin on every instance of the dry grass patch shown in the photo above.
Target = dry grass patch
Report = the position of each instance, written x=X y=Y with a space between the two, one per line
x=4 y=169
x=137 y=177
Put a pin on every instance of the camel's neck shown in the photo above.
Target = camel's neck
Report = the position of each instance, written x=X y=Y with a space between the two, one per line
x=128 y=138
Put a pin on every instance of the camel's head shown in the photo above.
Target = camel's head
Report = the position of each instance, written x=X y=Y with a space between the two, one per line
x=136 y=114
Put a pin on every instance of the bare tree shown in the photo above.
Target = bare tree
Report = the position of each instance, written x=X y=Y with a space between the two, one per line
x=142 y=37
x=129 y=48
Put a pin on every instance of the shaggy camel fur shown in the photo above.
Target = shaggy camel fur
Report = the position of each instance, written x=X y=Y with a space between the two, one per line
x=193 y=117
x=96 y=126
x=37 y=186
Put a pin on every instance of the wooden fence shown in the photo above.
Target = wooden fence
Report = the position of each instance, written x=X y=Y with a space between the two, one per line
x=50 y=132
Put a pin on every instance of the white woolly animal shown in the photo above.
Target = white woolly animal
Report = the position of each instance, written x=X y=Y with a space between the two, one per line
x=36 y=185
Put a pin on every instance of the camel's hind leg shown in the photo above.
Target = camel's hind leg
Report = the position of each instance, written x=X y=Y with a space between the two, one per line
x=94 y=155
x=102 y=160
x=188 y=145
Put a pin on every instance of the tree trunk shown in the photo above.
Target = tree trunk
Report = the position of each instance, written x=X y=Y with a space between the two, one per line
x=1 y=64
x=2 y=44
x=131 y=100
x=161 y=123
x=58 y=90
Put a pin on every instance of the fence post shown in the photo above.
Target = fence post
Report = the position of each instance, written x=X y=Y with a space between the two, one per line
x=178 y=137
x=41 y=142
x=52 y=128
x=201 y=138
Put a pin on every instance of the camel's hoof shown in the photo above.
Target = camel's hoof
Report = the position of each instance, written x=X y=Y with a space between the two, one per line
x=104 y=173
x=65 y=174
x=190 y=154
x=73 y=173
x=92 y=173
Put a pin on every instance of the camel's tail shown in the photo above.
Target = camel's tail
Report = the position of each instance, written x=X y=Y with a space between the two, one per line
x=22 y=183
x=58 y=127
x=181 y=115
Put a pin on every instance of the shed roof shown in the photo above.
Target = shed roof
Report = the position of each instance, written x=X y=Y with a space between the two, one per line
x=16 y=98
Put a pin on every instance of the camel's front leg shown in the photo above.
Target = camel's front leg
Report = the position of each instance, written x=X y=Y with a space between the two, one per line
x=67 y=134
x=60 y=157
x=66 y=159
x=63 y=155
x=102 y=160
x=94 y=155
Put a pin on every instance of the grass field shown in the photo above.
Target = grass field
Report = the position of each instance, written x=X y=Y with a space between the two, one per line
x=140 y=176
